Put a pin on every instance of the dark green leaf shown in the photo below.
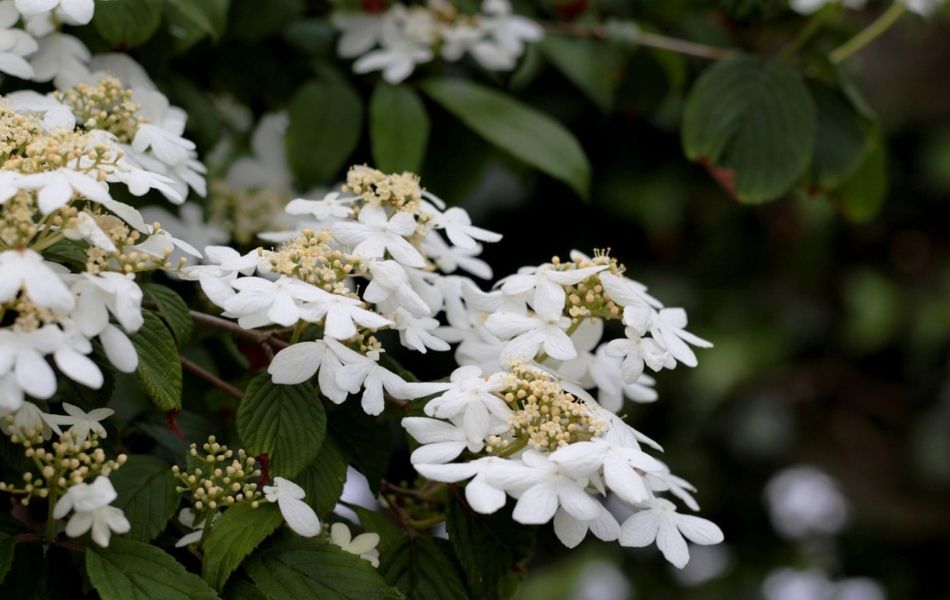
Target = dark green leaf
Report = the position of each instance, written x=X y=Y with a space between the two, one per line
x=147 y=495
x=239 y=530
x=487 y=546
x=863 y=193
x=172 y=309
x=7 y=546
x=756 y=121
x=252 y=24
x=70 y=251
x=127 y=22
x=422 y=571
x=365 y=441
x=516 y=128
x=323 y=479
x=325 y=122
x=239 y=589
x=191 y=20
x=286 y=422
x=130 y=570
x=843 y=138
x=159 y=368
x=591 y=65
x=292 y=567
x=399 y=128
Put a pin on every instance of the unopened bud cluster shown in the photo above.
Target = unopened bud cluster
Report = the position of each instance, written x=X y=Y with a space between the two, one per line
x=62 y=465
x=245 y=213
x=222 y=479
x=312 y=257
x=544 y=416
x=587 y=298
x=106 y=106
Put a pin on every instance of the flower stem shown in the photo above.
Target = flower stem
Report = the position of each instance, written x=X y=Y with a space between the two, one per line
x=651 y=40
x=211 y=378
x=812 y=27
x=869 y=33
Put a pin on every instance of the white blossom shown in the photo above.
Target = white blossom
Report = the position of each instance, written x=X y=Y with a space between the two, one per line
x=297 y=513
x=659 y=521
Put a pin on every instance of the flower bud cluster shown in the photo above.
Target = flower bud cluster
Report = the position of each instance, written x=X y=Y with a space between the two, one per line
x=220 y=478
x=106 y=106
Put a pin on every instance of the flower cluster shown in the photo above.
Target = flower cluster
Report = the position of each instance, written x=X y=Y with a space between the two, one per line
x=66 y=468
x=402 y=37
x=924 y=8
x=68 y=250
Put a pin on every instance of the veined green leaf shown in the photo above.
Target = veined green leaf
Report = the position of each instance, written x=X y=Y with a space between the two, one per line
x=233 y=536
x=127 y=22
x=130 y=570
x=147 y=495
x=172 y=309
x=399 y=128
x=159 y=369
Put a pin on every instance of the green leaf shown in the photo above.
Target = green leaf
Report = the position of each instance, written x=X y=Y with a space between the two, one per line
x=591 y=65
x=172 y=309
x=325 y=122
x=127 y=23
x=399 y=128
x=862 y=195
x=287 y=422
x=843 y=138
x=66 y=250
x=516 y=128
x=7 y=546
x=191 y=20
x=293 y=567
x=159 y=369
x=365 y=441
x=130 y=570
x=248 y=22
x=239 y=530
x=756 y=121
x=239 y=589
x=147 y=495
x=419 y=568
x=487 y=546
x=323 y=479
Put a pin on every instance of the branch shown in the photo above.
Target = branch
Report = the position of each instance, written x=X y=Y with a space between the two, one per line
x=37 y=538
x=651 y=40
x=211 y=378
x=261 y=337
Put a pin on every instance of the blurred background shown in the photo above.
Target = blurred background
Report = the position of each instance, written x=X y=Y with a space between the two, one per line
x=818 y=428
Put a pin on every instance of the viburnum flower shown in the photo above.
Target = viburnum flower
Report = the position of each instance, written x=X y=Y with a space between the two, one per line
x=297 y=513
x=363 y=545
x=332 y=206
x=59 y=58
x=527 y=335
x=341 y=315
x=637 y=351
x=547 y=485
x=260 y=301
x=417 y=332
x=82 y=423
x=659 y=521
x=457 y=225
x=16 y=43
x=622 y=465
x=668 y=328
x=391 y=283
x=374 y=234
x=406 y=38
x=365 y=372
x=22 y=355
x=546 y=283
x=27 y=270
x=189 y=519
x=572 y=531
x=73 y=12
x=90 y=506
x=440 y=441
x=451 y=258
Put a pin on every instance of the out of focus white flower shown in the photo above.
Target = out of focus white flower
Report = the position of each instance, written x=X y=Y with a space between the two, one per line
x=659 y=521
x=804 y=501
x=363 y=545
x=812 y=584
x=297 y=513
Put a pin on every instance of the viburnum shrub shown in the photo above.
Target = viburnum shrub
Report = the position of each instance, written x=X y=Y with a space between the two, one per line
x=297 y=298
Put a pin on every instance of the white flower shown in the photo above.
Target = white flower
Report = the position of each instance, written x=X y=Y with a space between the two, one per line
x=222 y=267
x=189 y=226
x=374 y=234
x=416 y=332
x=491 y=476
x=163 y=129
x=659 y=521
x=506 y=34
x=472 y=401
x=440 y=441
x=72 y=12
x=90 y=506
x=360 y=32
x=341 y=315
x=450 y=258
x=332 y=206
x=83 y=423
x=390 y=282
x=365 y=372
x=105 y=293
x=363 y=545
x=22 y=352
x=549 y=486
x=289 y=498
x=547 y=284
x=527 y=335
x=406 y=39
x=260 y=301
x=61 y=58
x=30 y=420
x=622 y=465
x=188 y=518
x=55 y=114
x=56 y=188
x=635 y=351
x=71 y=359
x=299 y=362
x=460 y=231
x=266 y=168
x=15 y=43
x=667 y=328
x=572 y=531
x=29 y=271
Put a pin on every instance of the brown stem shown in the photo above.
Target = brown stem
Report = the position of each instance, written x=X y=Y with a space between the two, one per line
x=211 y=378
x=261 y=337
x=37 y=538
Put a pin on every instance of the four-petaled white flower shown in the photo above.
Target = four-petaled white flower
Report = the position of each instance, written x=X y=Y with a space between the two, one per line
x=390 y=284
x=374 y=234
x=82 y=423
x=332 y=206
x=637 y=351
x=341 y=315
x=260 y=301
x=297 y=513
x=90 y=506
x=547 y=486
x=622 y=465
x=29 y=271
x=527 y=335
x=460 y=231
x=659 y=521
x=547 y=285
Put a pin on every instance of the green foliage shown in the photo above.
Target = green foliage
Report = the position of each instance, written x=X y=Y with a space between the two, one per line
x=233 y=536
x=844 y=136
x=147 y=495
x=366 y=441
x=7 y=547
x=516 y=128
x=591 y=65
x=172 y=309
x=325 y=122
x=323 y=479
x=159 y=368
x=755 y=120
x=420 y=568
x=286 y=422
x=189 y=21
x=487 y=546
x=291 y=567
x=399 y=128
x=127 y=23
x=862 y=194
x=130 y=570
